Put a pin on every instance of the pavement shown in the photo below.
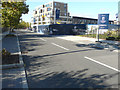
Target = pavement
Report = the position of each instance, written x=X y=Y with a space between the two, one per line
x=105 y=44
x=14 y=77
x=54 y=62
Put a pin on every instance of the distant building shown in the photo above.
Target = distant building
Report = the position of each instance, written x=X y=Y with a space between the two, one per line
x=119 y=12
x=0 y=17
x=84 y=20
x=44 y=18
x=44 y=14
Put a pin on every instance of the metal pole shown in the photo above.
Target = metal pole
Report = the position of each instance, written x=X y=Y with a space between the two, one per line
x=98 y=33
x=54 y=15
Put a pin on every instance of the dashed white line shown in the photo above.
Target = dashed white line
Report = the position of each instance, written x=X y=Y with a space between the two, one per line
x=102 y=64
x=42 y=39
x=60 y=46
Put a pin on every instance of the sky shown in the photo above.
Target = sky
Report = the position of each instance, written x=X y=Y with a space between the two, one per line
x=82 y=8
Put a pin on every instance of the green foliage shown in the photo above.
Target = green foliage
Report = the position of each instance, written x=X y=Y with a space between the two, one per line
x=106 y=35
x=23 y=24
x=10 y=35
x=5 y=53
x=11 y=13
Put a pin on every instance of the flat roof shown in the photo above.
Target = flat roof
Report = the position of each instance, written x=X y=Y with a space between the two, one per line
x=84 y=18
x=88 y=18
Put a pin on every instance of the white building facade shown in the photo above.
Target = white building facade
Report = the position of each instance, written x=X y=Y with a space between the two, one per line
x=119 y=12
x=46 y=14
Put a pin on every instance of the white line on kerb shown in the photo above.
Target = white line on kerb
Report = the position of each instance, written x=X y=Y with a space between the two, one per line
x=42 y=39
x=102 y=64
x=60 y=46
x=24 y=80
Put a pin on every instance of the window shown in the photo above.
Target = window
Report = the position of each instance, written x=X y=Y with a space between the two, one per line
x=65 y=5
x=65 y=14
x=48 y=5
x=35 y=12
x=55 y=4
x=65 y=10
x=41 y=11
x=48 y=9
x=39 y=19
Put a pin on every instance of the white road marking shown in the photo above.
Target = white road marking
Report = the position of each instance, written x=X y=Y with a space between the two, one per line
x=116 y=51
x=102 y=64
x=42 y=39
x=60 y=46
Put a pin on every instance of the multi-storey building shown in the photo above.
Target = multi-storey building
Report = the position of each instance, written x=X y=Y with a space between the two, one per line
x=46 y=14
x=0 y=16
x=119 y=12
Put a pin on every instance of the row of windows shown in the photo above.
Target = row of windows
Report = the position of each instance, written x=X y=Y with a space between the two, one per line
x=58 y=4
x=48 y=5
x=42 y=10
x=87 y=21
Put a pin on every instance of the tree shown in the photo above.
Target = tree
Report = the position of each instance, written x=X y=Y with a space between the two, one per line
x=11 y=13
x=23 y=24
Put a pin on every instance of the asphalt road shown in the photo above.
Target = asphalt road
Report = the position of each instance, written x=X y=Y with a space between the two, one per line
x=51 y=62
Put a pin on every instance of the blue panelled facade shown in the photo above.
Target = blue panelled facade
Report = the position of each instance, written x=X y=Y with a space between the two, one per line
x=62 y=29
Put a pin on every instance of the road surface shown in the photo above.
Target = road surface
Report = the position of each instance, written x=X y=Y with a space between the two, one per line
x=51 y=62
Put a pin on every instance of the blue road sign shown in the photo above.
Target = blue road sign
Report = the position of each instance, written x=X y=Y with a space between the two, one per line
x=57 y=13
x=103 y=21
x=103 y=27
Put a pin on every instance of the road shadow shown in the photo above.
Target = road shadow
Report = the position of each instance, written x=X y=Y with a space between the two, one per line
x=91 y=45
x=99 y=46
x=41 y=75
x=28 y=44
x=12 y=78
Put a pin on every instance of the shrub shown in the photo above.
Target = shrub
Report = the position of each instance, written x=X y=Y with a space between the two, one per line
x=5 y=53
x=110 y=38
x=10 y=35
x=117 y=38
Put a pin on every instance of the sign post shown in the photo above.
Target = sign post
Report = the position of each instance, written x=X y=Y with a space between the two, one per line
x=103 y=21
